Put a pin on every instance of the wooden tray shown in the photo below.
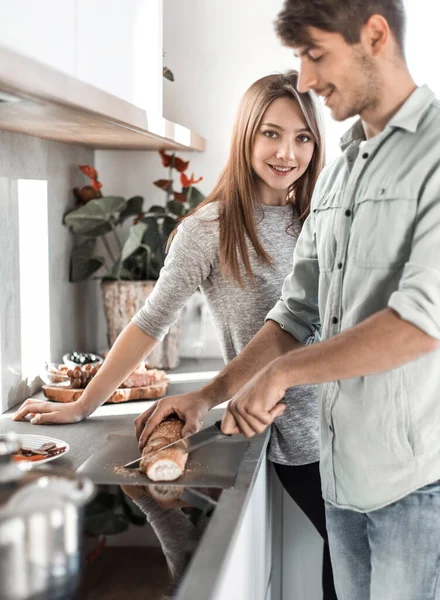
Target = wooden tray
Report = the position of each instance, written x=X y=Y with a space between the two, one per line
x=148 y=392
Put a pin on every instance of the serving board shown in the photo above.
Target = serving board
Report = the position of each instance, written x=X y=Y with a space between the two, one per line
x=148 y=392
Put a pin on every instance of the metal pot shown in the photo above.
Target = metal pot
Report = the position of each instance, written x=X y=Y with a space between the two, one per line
x=40 y=529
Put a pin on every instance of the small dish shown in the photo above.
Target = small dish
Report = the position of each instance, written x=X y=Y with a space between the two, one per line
x=36 y=441
x=79 y=359
x=51 y=375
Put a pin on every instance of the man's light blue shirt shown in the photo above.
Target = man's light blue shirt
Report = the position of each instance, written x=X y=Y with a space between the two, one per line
x=372 y=241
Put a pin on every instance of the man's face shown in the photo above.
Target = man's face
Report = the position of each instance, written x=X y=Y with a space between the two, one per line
x=345 y=75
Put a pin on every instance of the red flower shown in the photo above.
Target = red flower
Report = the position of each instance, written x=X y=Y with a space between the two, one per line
x=166 y=158
x=96 y=184
x=179 y=197
x=187 y=182
x=163 y=184
x=179 y=164
x=92 y=173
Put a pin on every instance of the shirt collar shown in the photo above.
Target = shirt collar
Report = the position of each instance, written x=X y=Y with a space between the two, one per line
x=407 y=117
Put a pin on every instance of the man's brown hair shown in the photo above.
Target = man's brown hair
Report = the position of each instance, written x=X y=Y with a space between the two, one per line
x=337 y=16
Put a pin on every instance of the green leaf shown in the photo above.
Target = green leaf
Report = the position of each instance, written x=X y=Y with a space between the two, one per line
x=156 y=210
x=95 y=217
x=168 y=225
x=195 y=197
x=133 y=208
x=176 y=208
x=116 y=270
x=82 y=262
x=152 y=237
x=134 y=240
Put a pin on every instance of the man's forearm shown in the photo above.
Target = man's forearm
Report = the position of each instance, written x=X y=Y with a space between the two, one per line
x=268 y=344
x=382 y=342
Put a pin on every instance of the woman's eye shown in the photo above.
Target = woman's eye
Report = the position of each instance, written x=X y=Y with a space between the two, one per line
x=270 y=134
x=304 y=139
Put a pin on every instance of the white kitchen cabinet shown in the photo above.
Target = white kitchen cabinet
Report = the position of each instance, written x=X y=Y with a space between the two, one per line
x=114 y=45
x=44 y=30
x=119 y=49
x=246 y=575
x=302 y=555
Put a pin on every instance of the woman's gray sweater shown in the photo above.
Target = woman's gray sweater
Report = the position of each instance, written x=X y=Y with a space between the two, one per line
x=238 y=312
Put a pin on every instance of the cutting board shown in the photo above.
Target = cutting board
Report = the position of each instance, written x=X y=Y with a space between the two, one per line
x=214 y=465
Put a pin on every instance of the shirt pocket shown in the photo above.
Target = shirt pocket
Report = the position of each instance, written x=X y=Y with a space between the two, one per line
x=326 y=217
x=382 y=228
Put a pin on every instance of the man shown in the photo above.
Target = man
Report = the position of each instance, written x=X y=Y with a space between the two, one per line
x=367 y=268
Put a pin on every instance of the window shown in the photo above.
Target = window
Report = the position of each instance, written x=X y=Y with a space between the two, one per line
x=34 y=275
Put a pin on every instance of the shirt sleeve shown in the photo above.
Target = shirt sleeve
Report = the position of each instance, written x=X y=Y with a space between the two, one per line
x=297 y=310
x=186 y=267
x=417 y=299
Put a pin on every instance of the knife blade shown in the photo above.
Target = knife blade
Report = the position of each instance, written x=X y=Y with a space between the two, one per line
x=191 y=442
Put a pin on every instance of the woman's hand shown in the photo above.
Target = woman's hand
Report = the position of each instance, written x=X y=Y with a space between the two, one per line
x=191 y=408
x=251 y=410
x=41 y=413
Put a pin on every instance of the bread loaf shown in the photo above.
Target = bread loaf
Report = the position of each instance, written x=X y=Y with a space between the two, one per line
x=168 y=464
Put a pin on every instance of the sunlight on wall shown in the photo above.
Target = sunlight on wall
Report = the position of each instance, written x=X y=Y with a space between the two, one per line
x=34 y=275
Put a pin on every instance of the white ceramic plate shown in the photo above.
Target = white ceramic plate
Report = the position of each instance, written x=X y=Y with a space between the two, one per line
x=34 y=442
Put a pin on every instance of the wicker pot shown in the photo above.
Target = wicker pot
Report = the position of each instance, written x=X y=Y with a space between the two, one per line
x=122 y=299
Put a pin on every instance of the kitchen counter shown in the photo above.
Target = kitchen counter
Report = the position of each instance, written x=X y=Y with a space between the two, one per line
x=209 y=563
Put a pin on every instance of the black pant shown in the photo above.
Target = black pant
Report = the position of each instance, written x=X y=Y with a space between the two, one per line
x=303 y=484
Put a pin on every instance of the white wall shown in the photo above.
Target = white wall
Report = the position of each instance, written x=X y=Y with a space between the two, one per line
x=71 y=308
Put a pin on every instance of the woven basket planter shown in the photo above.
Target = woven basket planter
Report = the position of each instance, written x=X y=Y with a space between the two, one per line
x=122 y=300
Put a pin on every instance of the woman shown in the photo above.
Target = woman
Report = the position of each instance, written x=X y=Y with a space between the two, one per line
x=237 y=247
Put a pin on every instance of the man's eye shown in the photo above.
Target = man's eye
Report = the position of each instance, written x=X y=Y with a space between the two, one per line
x=316 y=59
x=270 y=134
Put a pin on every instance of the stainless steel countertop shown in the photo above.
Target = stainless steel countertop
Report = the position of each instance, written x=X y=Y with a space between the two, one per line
x=85 y=438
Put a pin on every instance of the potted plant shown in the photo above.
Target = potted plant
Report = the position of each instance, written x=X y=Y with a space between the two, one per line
x=123 y=244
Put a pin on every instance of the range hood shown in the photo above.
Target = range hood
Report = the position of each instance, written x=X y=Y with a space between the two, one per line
x=38 y=100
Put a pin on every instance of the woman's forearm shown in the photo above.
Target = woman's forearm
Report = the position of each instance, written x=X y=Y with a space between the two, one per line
x=130 y=348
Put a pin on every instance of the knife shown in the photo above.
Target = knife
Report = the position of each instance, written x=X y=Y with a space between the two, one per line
x=191 y=442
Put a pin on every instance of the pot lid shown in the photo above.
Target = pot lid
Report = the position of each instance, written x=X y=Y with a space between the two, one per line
x=37 y=490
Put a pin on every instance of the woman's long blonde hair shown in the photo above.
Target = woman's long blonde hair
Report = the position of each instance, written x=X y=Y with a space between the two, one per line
x=236 y=190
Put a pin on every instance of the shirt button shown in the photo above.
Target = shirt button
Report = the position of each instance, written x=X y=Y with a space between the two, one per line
x=348 y=213
x=340 y=265
x=365 y=155
x=350 y=159
x=334 y=320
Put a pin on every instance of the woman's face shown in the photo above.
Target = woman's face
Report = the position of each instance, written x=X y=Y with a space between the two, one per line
x=283 y=148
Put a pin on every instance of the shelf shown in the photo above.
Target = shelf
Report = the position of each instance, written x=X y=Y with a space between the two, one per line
x=38 y=100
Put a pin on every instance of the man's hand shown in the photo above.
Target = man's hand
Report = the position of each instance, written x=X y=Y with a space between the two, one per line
x=191 y=408
x=41 y=413
x=252 y=409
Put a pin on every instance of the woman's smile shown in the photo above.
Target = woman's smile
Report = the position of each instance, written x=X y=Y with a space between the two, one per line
x=281 y=171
